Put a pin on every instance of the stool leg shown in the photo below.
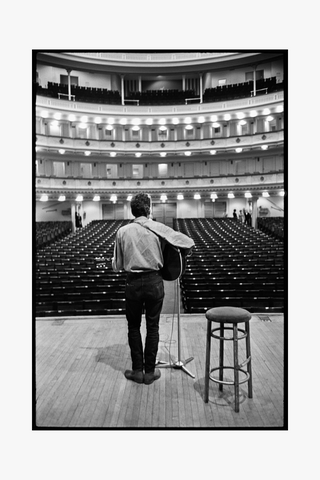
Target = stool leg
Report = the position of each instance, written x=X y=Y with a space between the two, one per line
x=236 y=366
x=221 y=355
x=207 y=371
x=249 y=366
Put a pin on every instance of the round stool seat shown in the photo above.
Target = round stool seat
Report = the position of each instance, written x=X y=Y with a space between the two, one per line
x=228 y=315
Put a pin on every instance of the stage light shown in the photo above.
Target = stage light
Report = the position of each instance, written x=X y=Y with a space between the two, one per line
x=162 y=121
x=216 y=125
x=79 y=198
x=265 y=194
x=201 y=119
x=82 y=125
x=55 y=123
x=62 y=198
x=213 y=196
x=111 y=120
x=44 y=198
x=180 y=196
x=87 y=153
x=96 y=198
x=62 y=151
x=248 y=195
x=214 y=118
x=240 y=115
x=44 y=114
x=187 y=120
x=136 y=121
x=230 y=195
x=197 y=196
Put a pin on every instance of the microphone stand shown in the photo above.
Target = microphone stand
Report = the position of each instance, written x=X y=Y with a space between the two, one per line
x=179 y=364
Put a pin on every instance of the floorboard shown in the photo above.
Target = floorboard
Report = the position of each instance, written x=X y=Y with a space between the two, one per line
x=80 y=383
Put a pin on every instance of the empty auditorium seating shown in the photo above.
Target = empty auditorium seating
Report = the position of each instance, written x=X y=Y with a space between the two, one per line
x=241 y=90
x=232 y=264
x=273 y=226
x=48 y=232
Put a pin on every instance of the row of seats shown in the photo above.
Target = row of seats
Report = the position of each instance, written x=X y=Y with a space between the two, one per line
x=232 y=264
x=162 y=97
x=241 y=90
x=273 y=226
x=82 y=94
x=48 y=232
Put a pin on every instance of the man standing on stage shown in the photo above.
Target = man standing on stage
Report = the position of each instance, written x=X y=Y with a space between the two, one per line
x=139 y=251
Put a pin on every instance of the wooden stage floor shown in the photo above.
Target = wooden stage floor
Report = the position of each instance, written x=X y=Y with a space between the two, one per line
x=79 y=380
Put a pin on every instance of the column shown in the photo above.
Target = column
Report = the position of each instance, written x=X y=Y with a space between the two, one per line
x=73 y=216
x=183 y=82
x=254 y=211
x=200 y=77
x=139 y=86
x=122 y=89
x=254 y=81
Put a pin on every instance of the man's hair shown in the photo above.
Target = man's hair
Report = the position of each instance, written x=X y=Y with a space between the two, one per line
x=140 y=205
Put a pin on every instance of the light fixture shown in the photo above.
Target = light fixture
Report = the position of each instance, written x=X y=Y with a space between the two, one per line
x=213 y=118
x=180 y=196
x=96 y=198
x=187 y=120
x=109 y=127
x=269 y=118
x=136 y=121
x=213 y=196
x=55 y=123
x=163 y=197
x=149 y=121
x=230 y=195
x=123 y=121
x=187 y=154
x=113 y=198
x=97 y=120
x=71 y=117
x=79 y=198
x=266 y=111
x=253 y=113
x=201 y=119
x=62 y=198
x=265 y=194
x=113 y=154
x=84 y=119
x=163 y=128
x=82 y=125
x=57 y=116
x=213 y=152
x=197 y=196
x=44 y=198
x=129 y=198
x=248 y=195
x=240 y=115
x=138 y=154
x=44 y=114
x=227 y=116
x=111 y=120
x=175 y=121
x=87 y=153
x=162 y=121
x=216 y=125
x=188 y=127
x=239 y=149
x=279 y=109
x=242 y=122
x=264 y=147
x=163 y=154
x=136 y=128
x=282 y=194
x=62 y=151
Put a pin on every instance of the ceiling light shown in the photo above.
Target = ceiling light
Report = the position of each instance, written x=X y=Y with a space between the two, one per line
x=187 y=153
x=175 y=121
x=98 y=120
x=213 y=152
x=62 y=198
x=247 y=195
x=180 y=196
x=213 y=195
x=123 y=121
x=163 y=198
x=55 y=123
x=57 y=116
x=62 y=151
x=282 y=194
x=279 y=109
x=163 y=154
x=216 y=125
x=96 y=198
x=163 y=128
x=264 y=147
x=109 y=127
x=187 y=120
x=240 y=115
x=269 y=118
x=136 y=121
x=188 y=127
x=136 y=128
x=230 y=195
x=162 y=121
x=265 y=194
x=44 y=198
x=239 y=149
x=138 y=154
x=79 y=198
x=129 y=198
x=71 y=117
x=213 y=118
x=253 y=113
x=87 y=153
x=113 y=154
x=111 y=120
x=201 y=120
x=227 y=116
x=82 y=125
x=84 y=119
x=113 y=198
x=197 y=196
x=266 y=111
x=149 y=121
x=242 y=122
x=44 y=114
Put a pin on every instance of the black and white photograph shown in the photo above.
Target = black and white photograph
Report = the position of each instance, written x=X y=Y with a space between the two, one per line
x=160 y=239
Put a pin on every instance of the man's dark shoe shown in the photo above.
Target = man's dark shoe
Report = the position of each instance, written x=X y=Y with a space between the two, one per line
x=151 y=377
x=134 y=375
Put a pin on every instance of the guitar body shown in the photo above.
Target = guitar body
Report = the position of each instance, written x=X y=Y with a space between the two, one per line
x=173 y=263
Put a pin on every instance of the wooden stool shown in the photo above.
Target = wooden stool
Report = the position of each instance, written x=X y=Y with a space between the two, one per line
x=233 y=316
